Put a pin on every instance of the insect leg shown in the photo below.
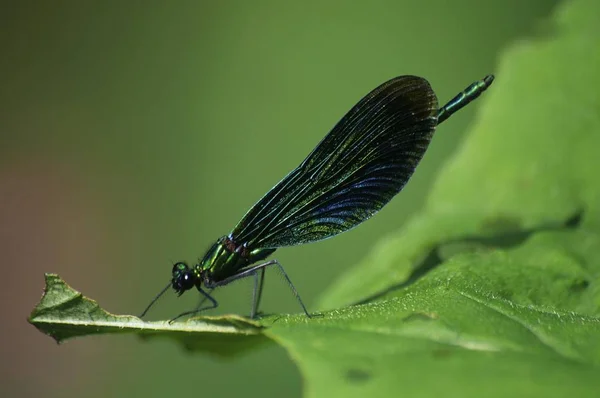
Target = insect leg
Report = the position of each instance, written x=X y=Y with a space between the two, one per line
x=257 y=292
x=203 y=300
x=154 y=300
x=199 y=308
x=252 y=271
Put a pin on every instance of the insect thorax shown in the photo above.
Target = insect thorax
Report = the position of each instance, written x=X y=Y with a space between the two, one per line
x=226 y=258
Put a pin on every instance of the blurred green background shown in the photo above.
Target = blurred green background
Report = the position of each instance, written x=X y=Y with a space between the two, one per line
x=133 y=134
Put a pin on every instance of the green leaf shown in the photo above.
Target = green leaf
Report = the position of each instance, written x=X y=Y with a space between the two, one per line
x=493 y=290
x=488 y=322
x=447 y=334
x=64 y=313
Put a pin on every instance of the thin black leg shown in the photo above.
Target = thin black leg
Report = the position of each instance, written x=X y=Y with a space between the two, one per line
x=154 y=300
x=198 y=308
x=205 y=297
x=252 y=271
x=257 y=292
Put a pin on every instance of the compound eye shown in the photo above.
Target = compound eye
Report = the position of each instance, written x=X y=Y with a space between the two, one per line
x=179 y=268
x=187 y=280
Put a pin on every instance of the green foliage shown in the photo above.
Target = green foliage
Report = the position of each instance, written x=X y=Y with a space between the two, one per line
x=64 y=313
x=493 y=290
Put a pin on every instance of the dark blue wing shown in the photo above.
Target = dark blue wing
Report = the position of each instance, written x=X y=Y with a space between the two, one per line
x=354 y=171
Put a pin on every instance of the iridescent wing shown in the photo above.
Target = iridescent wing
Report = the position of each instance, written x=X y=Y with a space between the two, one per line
x=354 y=171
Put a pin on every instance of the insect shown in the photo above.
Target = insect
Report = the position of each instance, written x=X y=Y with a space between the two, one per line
x=358 y=167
